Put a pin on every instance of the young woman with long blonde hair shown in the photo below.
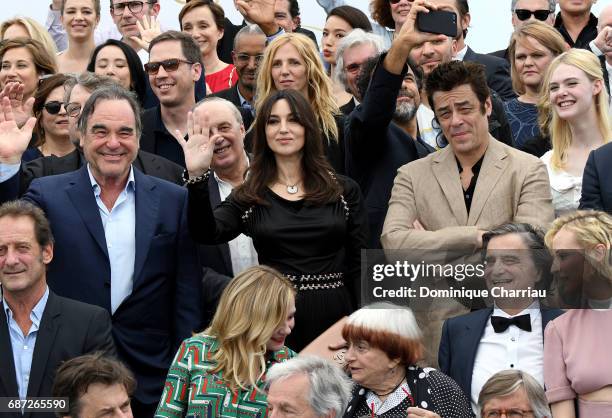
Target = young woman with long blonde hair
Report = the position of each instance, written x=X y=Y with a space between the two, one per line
x=221 y=371
x=576 y=106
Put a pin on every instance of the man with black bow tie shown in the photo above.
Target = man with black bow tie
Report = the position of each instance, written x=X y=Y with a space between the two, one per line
x=510 y=335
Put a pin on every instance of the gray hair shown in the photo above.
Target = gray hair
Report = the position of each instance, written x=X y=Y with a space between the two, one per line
x=355 y=38
x=507 y=382
x=114 y=92
x=330 y=388
x=89 y=81
x=247 y=30
x=227 y=103
x=552 y=4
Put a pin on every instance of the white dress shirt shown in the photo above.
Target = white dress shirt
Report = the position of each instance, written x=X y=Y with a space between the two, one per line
x=460 y=54
x=242 y=251
x=120 y=232
x=511 y=349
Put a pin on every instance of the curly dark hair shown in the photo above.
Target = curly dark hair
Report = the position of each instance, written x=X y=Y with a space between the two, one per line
x=447 y=76
x=381 y=13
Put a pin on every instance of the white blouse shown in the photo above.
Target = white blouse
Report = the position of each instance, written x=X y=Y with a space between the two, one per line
x=565 y=187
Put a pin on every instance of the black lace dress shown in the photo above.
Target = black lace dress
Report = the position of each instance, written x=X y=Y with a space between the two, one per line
x=318 y=247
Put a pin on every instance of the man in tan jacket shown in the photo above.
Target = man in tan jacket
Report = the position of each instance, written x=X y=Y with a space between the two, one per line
x=447 y=200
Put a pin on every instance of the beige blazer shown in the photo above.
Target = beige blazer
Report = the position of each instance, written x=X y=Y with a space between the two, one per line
x=512 y=186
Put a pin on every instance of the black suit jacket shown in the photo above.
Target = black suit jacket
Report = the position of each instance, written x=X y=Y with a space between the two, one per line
x=308 y=33
x=348 y=107
x=602 y=60
x=597 y=180
x=67 y=329
x=147 y=163
x=231 y=94
x=460 y=340
x=226 y=43
x=216 y=261
x=375 y=147
x=502 y=53
x=498 y=72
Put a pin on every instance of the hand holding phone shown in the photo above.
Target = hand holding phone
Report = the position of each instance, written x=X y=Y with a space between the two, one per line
x=438 y=21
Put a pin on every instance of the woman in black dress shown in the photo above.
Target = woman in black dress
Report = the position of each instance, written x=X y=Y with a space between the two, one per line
x=305 y=221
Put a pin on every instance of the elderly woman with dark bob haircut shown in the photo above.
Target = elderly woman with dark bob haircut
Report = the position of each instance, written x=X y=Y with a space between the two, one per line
x=384 y=345
x=514 y=393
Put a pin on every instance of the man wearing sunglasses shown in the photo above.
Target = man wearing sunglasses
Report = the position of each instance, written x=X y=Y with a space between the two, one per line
x=525 y=11
x=576 y=23
x=174 y=67
x=249 y=45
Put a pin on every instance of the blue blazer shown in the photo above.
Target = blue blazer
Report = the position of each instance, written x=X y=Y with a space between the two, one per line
x=164 y=307
x=460 y=339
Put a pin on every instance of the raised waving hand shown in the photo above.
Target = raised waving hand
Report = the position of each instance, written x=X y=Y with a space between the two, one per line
x=14 y=140
x=199 y=148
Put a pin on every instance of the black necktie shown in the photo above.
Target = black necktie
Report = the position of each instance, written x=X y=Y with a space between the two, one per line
x=500 y=323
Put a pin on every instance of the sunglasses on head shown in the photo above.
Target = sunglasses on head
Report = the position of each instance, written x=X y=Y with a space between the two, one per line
x=53 y=107
x=524 y=14
x=172 y=64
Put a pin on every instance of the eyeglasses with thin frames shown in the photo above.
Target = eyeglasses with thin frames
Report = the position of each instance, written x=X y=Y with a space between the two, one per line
x=524 y=14
x=73 y=109
x=152 y=68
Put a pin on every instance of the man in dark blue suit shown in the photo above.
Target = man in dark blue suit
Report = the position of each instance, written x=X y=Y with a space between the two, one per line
x=510 y=335
x=123 y=243
x=597 y=180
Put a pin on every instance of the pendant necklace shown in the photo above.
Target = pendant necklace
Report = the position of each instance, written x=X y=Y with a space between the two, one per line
x=291 y=188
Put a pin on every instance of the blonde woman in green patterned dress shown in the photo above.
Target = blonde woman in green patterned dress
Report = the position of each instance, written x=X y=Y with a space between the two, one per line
x=221 y=372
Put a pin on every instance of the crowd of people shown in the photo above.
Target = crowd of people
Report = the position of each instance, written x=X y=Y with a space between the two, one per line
x=182 y=212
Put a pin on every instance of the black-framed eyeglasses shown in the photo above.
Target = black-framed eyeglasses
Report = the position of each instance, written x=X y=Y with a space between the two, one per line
x=53 y=107
x=170 y=65
x=244 y=57
x=509 y=413
x=73 y=109
x=394 y=1
x=524 y=14
x=133 y=6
